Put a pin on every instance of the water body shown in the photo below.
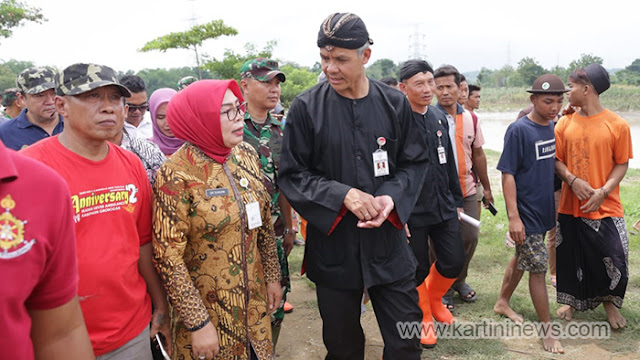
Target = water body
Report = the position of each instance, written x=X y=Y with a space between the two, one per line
x=494 y=125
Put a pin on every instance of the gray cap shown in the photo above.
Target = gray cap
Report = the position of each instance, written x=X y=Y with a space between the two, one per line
x=35 y=80
x=80 y=78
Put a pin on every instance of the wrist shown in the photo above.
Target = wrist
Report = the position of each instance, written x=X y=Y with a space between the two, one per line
x=572 y=181
x=289 y=230
x=606 y=193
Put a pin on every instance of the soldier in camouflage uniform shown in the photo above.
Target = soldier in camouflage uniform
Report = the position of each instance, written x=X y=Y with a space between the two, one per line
x=186 y=81
x=12 y=105
x=39 y=119
x=260 y=85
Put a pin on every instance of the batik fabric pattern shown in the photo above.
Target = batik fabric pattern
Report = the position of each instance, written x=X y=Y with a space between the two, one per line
x=213 y=267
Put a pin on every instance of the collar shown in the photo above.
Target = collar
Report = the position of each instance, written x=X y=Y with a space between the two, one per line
x=459 y=109
x=271 y=121
x=8 y=171
x=22 y=121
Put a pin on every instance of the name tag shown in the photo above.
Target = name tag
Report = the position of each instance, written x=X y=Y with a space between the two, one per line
x=442 y=157
x=216 y=192
x=253 y=215
x=380 y=163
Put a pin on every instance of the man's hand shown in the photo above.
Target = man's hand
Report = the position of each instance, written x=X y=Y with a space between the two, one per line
x=362 y=205
x=160 y=324
x=582 y=189
x=204 y=342
x=274 y=296
x=287 y=243
x=406 y=230
x=516 y=230
x=595 y=201
x=460 y=211
x=386 y=205
x=488 y=197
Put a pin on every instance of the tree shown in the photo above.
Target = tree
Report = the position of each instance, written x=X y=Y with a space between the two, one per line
x=15 y=13
x=382 y=68
x=634 y=67
x=229 y=66
x=9 y=71
x=190 y=39
x=584 y=60
x=167 y=78
x=299 y=79
x=529 y=70
x=561 y=72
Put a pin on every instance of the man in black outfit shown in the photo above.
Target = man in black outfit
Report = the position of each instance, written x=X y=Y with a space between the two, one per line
x=352 y=164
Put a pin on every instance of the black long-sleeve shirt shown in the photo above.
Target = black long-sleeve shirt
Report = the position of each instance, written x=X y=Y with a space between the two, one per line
x=328 y=148
x=441 y=194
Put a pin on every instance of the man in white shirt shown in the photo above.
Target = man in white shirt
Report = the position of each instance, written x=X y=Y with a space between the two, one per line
x=138 y=121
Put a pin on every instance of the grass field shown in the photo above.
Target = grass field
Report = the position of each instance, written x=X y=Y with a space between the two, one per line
x=485 y=275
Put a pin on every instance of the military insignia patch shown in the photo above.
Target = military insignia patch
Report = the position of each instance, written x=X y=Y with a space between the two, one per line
x=12 y=243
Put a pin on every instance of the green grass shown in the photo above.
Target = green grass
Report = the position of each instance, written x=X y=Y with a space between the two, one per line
x=617 y=98
x=485 y=276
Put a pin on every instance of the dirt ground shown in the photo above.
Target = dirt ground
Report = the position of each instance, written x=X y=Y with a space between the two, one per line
x=301 y=336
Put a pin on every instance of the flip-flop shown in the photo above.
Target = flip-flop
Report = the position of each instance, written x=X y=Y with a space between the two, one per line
x=447 y=300
x=464 y=290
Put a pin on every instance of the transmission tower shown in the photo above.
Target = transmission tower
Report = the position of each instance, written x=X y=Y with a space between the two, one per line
x=417 y=44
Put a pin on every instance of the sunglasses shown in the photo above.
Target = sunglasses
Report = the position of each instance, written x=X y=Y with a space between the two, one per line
x=142 y=108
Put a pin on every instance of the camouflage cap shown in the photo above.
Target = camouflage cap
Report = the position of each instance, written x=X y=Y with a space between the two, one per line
x=186 y=81
x=80 y=78
x=261 y=69
x=9 y=96
x=35 y=80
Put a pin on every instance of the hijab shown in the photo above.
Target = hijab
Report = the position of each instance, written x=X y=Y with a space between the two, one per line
x=168 y=144
x=194 y=115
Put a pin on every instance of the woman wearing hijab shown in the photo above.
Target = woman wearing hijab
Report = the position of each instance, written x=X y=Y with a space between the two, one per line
x=162 y=134
x=214 y=245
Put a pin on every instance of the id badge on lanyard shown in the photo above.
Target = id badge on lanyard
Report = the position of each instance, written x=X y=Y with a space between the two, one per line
x=380 y=159
x=442 y=157
x=254 y=219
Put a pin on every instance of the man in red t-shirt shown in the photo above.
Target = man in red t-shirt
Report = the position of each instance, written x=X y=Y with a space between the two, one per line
x=39 y=312
x=111 y=203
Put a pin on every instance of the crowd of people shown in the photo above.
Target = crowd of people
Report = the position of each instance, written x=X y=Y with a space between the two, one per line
x=168 y=218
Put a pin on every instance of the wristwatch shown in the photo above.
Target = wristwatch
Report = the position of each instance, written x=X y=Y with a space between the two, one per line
x=287 y=231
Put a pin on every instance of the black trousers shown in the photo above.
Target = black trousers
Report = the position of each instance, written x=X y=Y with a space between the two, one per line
x=447 y=245
x=392 y=303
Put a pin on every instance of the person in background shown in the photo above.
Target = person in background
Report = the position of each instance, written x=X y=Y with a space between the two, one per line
x=40 y=316
x=260 y=86
x=463 y=94
x=390 y=81
x=527 y=165
x=214 y=245
x=138 y=122
x=593 y=148
x=467 y=140
x=39 y=118
x=473 y=102
x=11 y=103
x=435 y=215
x=186 y=81
x=162 y=134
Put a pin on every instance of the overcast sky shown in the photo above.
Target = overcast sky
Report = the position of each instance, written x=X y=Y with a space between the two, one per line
x=467 y=34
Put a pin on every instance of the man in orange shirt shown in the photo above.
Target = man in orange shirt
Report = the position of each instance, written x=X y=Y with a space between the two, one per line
x=593 y=148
